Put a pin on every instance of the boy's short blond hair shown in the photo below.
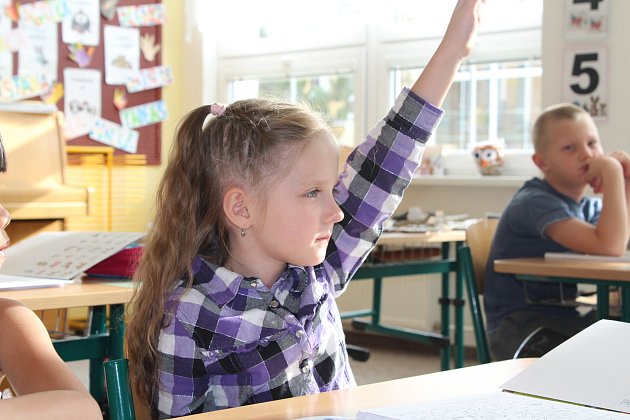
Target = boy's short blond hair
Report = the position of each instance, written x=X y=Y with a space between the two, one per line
x=553 y=113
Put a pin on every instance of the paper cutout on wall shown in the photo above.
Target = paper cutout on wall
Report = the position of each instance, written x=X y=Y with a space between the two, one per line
x=11 y=12
x=122 y=54
x=120 y=98
x=81 y=55
x=13 y=40
x=150 y=78
x=41 y=12
x=82 y=101
x=149 y=47
x=108 y=9
x=82 y=23
x=54 y=94
x=144 y=15
x=42 y=54
x=115 y=135
x=146 y=114
x=22 y=87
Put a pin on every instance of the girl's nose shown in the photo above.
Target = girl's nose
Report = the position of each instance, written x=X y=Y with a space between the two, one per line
x=336 y=212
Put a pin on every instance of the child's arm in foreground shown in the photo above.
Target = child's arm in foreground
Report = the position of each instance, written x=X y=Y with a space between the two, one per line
x=436 y=78
x=610 y=235
x=46 y=387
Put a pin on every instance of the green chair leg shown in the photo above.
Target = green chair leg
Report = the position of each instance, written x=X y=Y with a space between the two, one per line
x=119 y=393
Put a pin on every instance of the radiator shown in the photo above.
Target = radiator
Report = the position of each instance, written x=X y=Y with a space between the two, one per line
x=408 y=302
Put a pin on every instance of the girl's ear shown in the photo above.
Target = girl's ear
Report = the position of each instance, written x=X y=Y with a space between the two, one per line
x=235 y=202
x=540 y=162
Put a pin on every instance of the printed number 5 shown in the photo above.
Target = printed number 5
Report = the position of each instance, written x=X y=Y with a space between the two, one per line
x=579 y=68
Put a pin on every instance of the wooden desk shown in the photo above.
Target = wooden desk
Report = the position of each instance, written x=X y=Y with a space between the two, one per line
x=442 y=265
x=450 y=384
x=601 y=274
x=102 y=341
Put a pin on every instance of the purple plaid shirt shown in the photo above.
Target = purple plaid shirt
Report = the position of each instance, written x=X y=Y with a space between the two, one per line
x=232 y=341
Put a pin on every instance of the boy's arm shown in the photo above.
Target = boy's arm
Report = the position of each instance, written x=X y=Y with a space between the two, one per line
x=610 y=235
x=624 y=159
x=436 y=78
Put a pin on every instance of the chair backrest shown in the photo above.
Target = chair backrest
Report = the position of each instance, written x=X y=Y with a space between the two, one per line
x=472 y=258
x=479 y=237
x=119 y=394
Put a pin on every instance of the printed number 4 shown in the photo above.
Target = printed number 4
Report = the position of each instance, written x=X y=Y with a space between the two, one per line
x=579 y=68
x=594 y=3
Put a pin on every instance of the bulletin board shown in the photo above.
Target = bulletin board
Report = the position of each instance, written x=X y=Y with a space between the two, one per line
x=147 y=140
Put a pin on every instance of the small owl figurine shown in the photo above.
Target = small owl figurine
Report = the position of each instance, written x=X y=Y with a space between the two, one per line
x=489 y=159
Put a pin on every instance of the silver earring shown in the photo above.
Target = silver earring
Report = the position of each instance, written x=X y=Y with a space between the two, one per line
x=243 y=233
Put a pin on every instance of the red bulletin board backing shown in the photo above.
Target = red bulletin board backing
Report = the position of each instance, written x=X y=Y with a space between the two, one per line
x=149 y=139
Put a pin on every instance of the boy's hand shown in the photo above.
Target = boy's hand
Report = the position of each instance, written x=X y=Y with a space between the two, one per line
x=599 y=169
x=624 y=159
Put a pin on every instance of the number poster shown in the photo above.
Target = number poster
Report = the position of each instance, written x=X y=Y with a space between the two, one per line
x=585 y=84
x=586 y=19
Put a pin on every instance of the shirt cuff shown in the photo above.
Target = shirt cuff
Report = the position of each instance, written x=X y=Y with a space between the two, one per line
x=413 y=116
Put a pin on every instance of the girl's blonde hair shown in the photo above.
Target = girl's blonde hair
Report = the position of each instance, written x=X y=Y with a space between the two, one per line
x=248 y=145
x=553 y=113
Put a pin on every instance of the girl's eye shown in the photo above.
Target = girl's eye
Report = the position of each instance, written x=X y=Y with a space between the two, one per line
x=312 y=194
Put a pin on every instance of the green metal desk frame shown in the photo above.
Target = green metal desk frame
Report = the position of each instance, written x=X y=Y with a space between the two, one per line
x=603 y=288
x=103 y=342
x=444 y=266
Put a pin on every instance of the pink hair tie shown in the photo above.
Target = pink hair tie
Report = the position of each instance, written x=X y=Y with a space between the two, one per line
x=217 y=109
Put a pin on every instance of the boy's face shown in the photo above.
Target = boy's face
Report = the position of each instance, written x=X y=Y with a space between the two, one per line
x=571 y=145
x=301 y=210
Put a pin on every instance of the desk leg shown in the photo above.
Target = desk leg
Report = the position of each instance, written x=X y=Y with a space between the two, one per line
x=625 y=303
x=603 y=311
x=116 y=331
x=445 y=353
x=97 y=376
x=459 y=315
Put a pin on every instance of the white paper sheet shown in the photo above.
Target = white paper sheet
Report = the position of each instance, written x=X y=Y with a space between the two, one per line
x=492 y=406
x=591 y=368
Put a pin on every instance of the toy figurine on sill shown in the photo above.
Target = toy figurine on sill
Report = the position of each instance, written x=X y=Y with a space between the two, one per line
x=488 y=159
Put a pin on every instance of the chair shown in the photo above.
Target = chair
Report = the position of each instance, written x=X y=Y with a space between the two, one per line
x=539 y=342
x=472 y=258
x=119 y=395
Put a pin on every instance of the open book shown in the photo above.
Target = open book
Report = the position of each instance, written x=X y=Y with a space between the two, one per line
x=56 y=258
x=586 y=377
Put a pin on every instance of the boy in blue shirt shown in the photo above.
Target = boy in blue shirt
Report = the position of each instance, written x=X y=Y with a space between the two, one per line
x=553 y=214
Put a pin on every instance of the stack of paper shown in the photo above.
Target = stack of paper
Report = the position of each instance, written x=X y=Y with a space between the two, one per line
x=586 y=257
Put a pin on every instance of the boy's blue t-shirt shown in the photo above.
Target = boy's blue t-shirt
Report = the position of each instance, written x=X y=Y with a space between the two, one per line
x=520 y=234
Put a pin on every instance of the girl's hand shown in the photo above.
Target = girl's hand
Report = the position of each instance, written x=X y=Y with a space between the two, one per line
x=462 y=28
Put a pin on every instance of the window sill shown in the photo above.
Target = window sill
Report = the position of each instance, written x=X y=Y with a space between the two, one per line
x=470 y=180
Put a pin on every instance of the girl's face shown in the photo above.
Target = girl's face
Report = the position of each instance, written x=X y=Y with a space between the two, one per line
x=301 y=210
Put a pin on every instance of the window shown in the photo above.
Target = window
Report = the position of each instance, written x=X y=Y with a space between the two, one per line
x=491 y=101
x=330 y=94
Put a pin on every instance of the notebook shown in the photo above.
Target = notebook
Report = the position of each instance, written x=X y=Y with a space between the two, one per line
x=56 y=258
x=586 y=257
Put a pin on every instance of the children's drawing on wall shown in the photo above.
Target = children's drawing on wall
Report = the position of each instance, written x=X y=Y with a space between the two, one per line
x=42 y=56
x=81 y=23
x=6 y=57
x=122 y=54
x=586 y=19
x=108 y=8
x=82 y=101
